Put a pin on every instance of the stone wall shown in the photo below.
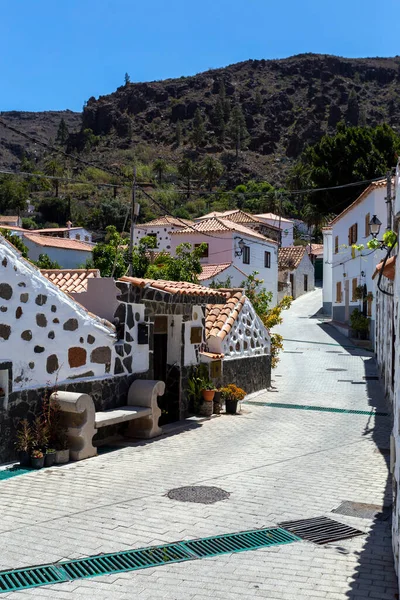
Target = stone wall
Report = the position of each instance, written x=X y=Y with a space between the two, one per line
x=252 y=373
x=248 y=336
x=385 y=332
x=43 y=332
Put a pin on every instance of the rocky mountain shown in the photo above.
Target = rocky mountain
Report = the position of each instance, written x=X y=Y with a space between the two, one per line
x=286 y=103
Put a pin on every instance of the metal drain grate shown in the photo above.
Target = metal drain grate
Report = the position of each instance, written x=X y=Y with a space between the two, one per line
x=142 y=558
x=319 y=408
x=320 y=530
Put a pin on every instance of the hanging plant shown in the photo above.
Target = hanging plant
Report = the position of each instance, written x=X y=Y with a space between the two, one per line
x=359 y=292
x=369 y=296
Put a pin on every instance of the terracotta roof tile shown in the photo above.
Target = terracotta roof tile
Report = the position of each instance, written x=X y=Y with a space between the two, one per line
x=210 y=271
x=73 y=281
x=57 y=242
x=290 y=257
x=389 y=270
x=180 y=288
x=316 y=249
x=55 y=229
x=165 y=221
x=221 y=317
x=12 y=227
x=213 y=355
x=236 y=216
x=221 y=225
x=6 y=219
x=273 y=217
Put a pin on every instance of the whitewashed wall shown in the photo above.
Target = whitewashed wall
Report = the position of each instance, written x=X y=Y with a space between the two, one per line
x=163 y=235
x=45 y=334
x=66 y=258
x=386 y=319
x=327 y=272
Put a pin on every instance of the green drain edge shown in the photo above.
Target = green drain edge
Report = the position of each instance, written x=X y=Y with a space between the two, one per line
x=347 y=411
x=141 y=558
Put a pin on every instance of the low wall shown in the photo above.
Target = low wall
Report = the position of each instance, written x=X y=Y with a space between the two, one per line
x=106 y=393
x=252 y=373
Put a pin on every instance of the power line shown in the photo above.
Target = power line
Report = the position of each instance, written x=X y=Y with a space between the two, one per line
x=60 y=179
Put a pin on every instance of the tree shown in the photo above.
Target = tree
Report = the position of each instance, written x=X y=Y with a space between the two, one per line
x=186 y=170
x=62 y=132
x=54 y=210
x=184 y=266
x=221 y=112
x=353 y=109
x=127 y=79
x=15 y=241
x=44 y=262
x=141 y=256
x=55 y=169
x=109 y=211
x=13 y=193
x=211 y=170
x=199 y=129
x=160 y=168
x=237 y=130
x=109 y=257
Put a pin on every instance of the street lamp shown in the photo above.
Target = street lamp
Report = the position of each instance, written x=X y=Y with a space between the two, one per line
x=374 y=226
x=241 y=245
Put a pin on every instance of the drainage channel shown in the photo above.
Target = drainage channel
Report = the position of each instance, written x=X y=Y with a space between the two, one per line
x=142 y=558
x=347 y=411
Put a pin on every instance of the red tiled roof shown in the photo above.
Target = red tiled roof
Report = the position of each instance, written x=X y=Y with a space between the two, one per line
x=57 y=242
x=372 y=186
x=73 y=281
x=316 y=249
x=5 y=219
x=55 y=229
x=213 y=355
x=165 y=222
x=236 y=216
x=182 y=288
x=210 y=271
x=221 y=318
x=215 y=225
x=290 y=257
x=273 y=217
x=13 y=228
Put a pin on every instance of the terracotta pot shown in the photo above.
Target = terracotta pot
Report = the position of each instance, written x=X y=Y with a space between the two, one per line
x=62 y=456
x=208 y=395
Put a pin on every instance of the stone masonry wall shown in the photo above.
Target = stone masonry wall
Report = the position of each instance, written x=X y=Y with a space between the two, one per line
x=252 y=373
x=43 y=332
x=248 y=336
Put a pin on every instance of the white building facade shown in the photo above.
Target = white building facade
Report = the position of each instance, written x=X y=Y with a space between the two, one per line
x=354 y=268
x=285 y=225
x=327 y=272
x=161 y=229
x=69 y=254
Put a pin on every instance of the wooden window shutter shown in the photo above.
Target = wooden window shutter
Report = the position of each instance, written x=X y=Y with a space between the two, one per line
x=367 y=220
x=336 y=244
x=369 y=307
x=349 y=236
x=339 y=291
x=355 y=235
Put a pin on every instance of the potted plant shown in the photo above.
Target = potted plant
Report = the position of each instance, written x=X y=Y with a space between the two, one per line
x=37 y=459
x=49 y=457
x=358 y=292
x=62 y=448
x=23 y=444
x=369 y=297
x=232 y=395
x=40 y=434
x=208 y=391
x=57 y=433
x=360 y=324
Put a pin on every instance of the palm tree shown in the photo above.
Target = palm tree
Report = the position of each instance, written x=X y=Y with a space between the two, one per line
x=211 y=170
x=186 y=170
x=55 y=169
x=160 y=167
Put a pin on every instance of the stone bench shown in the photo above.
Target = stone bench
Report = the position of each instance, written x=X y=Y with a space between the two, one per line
x=82 y=420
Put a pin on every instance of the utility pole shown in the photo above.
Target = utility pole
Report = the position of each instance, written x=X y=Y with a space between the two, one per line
x=280 y=221
x=135 y=208
x=389 y=199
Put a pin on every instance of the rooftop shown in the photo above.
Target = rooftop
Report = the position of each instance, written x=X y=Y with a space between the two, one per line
x=72 y=281
x=290 y=257
x=221 y=318
x=273 y=217
x=55 y=229
x=215 y=225
x=176 y=291
x=57 y=242
x=210 y=271
x=165 y=222
x=8 y=219
x=316 y=249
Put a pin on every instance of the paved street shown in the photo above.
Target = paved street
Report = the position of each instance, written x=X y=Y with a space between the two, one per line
x=278 y=464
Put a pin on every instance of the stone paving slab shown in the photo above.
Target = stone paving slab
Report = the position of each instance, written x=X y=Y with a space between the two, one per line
x=276 y=464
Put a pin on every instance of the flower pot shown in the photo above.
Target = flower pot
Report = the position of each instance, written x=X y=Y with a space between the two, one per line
x=49 y=459
x=24 y=458
x=208 y=395
x=62 y=456
x=37 y=463
x=231 y=407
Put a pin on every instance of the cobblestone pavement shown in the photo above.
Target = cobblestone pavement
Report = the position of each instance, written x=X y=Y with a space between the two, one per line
x=277 y=464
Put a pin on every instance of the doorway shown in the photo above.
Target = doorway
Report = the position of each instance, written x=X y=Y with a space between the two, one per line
x=346 y=301
x=291 y=278
x=169 y=402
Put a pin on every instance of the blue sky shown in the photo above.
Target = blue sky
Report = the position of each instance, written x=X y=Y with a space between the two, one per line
x=56 y=54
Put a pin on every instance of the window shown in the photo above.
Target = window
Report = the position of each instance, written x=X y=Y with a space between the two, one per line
x=369 y=307
x=353 y=234
x=367 y=220
x=353 y=289
x=205 y=251
x=339 y=291
x=306 y=283
x=153 y=235
x=267 y=260
x=78 y=236
x=336 y=244
x=86 y=238
x=246 y=255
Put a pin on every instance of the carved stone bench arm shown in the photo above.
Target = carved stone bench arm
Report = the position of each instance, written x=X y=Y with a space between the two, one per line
x=79 y=418
x=144 y=393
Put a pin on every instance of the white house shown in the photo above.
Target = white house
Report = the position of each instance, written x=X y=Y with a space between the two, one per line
x=233 y=244
x=226 y=274
x=72 y=233
x=243 y=218
x=13 y=221
x=285 y=225
x=69 y=254
x=327 y=271
x=296 y=272
x=352 y=268
x=161 y=230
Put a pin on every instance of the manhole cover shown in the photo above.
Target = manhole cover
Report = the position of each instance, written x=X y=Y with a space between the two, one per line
x=198 y=493
x=364 y=511
x=320 y=530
